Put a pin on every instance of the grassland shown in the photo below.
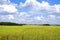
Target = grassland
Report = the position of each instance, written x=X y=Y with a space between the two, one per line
x=30 y=32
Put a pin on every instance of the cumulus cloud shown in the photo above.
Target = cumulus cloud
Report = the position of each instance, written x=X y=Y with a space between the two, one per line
x=57 y=8
x=36 y=7
x=41 y=8
x=52 y=16
x=9 y=17
x=4 y=1
x=7 y=6
x=39 y=18
x=22 y=13
x=1 y=9
x=31 y=11
x=6 y=18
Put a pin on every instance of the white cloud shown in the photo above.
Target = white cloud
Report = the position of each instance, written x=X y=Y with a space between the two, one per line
x=7 y=17
x=52 y=16
x=52 y=19
x=22 y=13
x=8 y=8
x=57 y=8
x=4 y=1
x=10 y=16
x=2 y=17
x=58 y=17
x=36 y=7
x=1 y=9
x=34 y=14
x=39 y=18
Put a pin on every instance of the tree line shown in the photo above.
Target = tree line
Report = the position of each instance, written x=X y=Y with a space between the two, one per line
x=12 y=24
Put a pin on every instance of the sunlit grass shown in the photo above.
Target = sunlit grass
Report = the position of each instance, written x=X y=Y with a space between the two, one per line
x=30 y=32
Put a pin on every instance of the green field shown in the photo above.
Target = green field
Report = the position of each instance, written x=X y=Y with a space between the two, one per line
x=30 y=32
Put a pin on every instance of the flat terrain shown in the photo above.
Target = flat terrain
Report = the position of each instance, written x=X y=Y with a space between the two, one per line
x=30 y=32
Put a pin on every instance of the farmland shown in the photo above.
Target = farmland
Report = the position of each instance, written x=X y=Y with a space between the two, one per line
x=30 y=32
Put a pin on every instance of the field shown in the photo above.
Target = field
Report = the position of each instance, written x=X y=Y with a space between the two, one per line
x=30 y=32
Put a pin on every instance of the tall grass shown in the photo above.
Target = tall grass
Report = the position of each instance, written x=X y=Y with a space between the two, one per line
x=30 y=32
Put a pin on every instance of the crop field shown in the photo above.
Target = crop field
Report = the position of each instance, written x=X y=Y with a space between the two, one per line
x=30 y=32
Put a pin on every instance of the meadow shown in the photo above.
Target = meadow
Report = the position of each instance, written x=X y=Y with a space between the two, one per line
x=30 y=32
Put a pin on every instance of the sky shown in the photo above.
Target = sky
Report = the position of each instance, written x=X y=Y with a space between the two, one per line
x=30 y=11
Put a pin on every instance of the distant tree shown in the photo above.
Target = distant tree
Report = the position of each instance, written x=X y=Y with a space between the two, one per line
x=9 y=23
x=46 y=24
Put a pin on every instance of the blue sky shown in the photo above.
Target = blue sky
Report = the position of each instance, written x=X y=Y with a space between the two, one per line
x=30 y=11
x=51 y=2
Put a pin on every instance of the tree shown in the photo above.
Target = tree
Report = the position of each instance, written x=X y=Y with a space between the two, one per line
x=46 y=24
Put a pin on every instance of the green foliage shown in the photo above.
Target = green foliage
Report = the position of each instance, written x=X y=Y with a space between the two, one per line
x=11 y=24
x=46 y=24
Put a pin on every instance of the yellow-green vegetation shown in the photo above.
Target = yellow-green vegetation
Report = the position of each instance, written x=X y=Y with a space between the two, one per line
x=30 y=32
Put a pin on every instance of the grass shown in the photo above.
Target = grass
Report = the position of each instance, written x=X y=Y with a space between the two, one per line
x=30 y=32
